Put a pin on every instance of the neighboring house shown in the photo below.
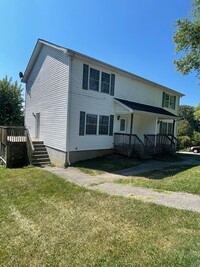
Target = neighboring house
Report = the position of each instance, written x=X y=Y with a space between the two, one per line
x=83 y=108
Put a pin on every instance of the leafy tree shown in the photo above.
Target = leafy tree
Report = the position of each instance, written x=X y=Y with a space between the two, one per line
x=185 y=128
x=187 y=40
x=197 y=113
x=11 y=103
x=187 y=113
x=196 y=138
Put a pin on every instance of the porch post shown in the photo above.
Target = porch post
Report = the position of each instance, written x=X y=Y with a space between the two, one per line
x=156 y=130
x=131 y=129
x=173 y=127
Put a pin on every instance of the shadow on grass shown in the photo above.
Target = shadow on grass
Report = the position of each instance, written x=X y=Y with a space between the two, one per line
x=165 y=172
x=114 y=163
x=111 y=163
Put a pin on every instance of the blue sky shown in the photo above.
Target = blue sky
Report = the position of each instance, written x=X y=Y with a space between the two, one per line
x=135 y=35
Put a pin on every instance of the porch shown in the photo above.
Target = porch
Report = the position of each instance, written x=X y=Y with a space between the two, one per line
x=17 y=148
x=13 y=152
x=131 y=145
x=142 y=130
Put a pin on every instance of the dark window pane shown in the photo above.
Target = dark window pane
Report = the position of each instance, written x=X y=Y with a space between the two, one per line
x=112 y=90
x=105 y=82
x=103 y=124
x=94 y=79
x=91 y=124
x=122 y=125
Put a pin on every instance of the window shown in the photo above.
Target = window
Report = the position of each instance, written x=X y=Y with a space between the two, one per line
x=122 y=125
x=105 y=82
x=166 y=128
x=91 y=124
x=170 y=128
x=169 y=101
x=103 y=124
x=92 y=80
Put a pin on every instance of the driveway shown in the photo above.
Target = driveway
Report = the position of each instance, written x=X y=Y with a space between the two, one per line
x=104 y=183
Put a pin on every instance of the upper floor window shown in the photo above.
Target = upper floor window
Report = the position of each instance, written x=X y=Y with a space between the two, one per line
x=105 y=82
x=169 y=101
x=96 y=80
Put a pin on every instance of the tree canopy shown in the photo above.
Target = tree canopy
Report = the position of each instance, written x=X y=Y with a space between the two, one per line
x=187 y=40
x=189 y=126
x=11 y=103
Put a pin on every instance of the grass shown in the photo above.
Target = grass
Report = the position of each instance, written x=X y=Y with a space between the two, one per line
x=109 y=163
x=176 y=178
x=168 y=158
x=46 y=221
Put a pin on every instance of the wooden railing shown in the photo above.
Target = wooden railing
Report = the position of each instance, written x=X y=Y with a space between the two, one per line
x=12 y=140
x=163 y=143
x=149 y=144
x=29 y=146
x=128 y=142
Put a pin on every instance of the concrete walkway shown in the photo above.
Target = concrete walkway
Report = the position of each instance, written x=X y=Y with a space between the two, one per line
x=104 y=183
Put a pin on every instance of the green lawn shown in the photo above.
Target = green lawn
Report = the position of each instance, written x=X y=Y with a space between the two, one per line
x=109 y=163
x=176 y=178
x=46 y=221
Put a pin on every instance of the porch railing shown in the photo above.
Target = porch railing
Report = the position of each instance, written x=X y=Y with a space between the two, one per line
x=29 y=146
x=149 y=144
x=129 y=143
x=12 y=145
x=163 y=143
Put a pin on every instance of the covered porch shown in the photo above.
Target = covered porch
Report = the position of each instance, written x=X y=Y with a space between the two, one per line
x=143 y=130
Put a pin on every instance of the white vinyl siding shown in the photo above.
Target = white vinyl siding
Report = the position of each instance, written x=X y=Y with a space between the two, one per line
x=90 y=102
x=46 y=93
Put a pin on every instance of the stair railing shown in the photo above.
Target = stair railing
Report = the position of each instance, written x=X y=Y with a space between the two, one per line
x=30 y=147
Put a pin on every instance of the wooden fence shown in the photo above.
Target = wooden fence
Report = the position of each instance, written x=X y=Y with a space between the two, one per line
x=13 y=151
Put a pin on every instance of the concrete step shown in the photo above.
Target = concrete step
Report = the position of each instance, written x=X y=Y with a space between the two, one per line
x=40 y=155
x=38 y=143
x=40 y=163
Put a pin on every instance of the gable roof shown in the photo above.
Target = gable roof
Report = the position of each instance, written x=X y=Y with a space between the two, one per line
x=74 y=53
x=133 y=106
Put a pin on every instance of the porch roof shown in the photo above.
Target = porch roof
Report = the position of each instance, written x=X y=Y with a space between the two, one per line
x=145 y=108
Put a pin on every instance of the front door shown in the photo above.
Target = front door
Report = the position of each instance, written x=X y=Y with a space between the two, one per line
x=123 y=125
x=37 y=125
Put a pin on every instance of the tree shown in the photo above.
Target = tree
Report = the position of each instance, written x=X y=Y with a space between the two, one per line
x=11 y=103
x=197 y=113
x=187 y=113
x=185 y=128
x=187 y=40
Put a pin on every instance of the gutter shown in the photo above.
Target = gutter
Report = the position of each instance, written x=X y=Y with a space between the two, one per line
x=70 y=56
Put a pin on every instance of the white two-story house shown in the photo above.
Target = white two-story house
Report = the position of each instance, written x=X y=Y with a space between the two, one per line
x=82 y=108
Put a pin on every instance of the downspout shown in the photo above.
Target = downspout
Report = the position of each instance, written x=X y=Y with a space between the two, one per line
x=68 y=106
